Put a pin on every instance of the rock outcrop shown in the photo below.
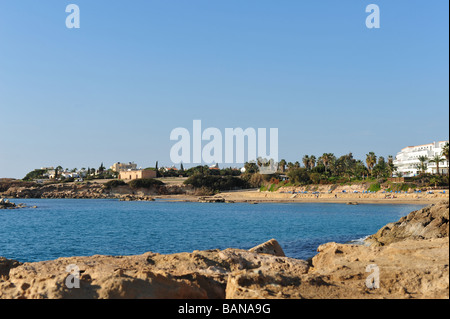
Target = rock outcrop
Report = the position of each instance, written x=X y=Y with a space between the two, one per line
x=6 y=204
x=79 y=191
x=6 y=265
x=199 y=275
x=426 y=223
x=407 y=267
x=272 y=247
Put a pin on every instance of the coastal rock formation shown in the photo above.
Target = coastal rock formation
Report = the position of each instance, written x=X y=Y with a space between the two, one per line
x=78 y=191
x=201 y=274
x=405 y=267
x=211 y=199
x=271 y=247
x=6 y=265
x=6 y=204
x=426 y=223
x=131 y=198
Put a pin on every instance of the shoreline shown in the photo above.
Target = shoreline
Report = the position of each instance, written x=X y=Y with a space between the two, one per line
x=347 y=194
x=264 y=197
x=225 y=198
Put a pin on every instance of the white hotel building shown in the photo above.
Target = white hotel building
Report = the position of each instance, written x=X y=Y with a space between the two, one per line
x=408 y=159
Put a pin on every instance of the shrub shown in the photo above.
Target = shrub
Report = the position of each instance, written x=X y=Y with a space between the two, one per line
x=375 y=187
x=299 y=175
x=114 y=183
x=216 y=183
x=36 y=174
x=145 y=183
x=315 y=177
x=256 y=180
x=204 y=191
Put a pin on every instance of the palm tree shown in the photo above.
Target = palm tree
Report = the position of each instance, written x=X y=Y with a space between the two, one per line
x=445 y=153
x=423 y=164
x=437 y=159
x=371 y=160
x=312 y=161
x=391 y=167
x=326 y=159
x=305 y=161
x=282 y=165
x=359 y=169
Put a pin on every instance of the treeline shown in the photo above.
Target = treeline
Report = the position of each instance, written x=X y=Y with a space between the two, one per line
x=213 y=183
x=200 y=169
x=330 y=168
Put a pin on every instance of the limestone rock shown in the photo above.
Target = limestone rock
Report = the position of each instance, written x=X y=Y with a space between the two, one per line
x=429 y=222
x=6 y=265
x=271 y=247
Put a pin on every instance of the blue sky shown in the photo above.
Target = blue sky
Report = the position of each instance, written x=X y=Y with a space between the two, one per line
x=114 y=89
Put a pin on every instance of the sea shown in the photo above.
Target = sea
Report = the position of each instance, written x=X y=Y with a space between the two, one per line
x=86 y=227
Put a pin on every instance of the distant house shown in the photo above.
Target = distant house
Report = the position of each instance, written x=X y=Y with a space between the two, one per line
x=167 y=169
x=214 y=167
x=50 y=173
x=117 y=167
x=69 y=175
x=137 y=174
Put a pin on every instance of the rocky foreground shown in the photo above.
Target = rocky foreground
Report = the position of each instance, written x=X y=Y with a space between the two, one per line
x=411 y=256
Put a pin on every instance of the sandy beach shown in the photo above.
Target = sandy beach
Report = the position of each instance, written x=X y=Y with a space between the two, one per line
x=255 y=196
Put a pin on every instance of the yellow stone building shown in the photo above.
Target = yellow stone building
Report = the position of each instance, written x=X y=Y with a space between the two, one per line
x=137 y=174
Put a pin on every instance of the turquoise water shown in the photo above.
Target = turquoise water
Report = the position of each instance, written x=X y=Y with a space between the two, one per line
x=66 y=227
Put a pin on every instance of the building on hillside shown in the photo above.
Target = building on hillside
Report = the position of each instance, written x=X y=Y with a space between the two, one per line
x=215 y=167
x=407 y=160
x=137 y=174
x=117 y=167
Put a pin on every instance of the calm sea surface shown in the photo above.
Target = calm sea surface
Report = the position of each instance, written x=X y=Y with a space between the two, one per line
x=66 y=227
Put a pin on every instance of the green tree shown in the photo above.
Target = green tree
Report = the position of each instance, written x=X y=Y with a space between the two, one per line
x=305 y=161
x=360 y=170
x=371 y=160
x=390 y=166
x=36 y=174
x=326 y=159
x=251 y=168
x=282 y=166
x=298 y=176
x=290 y=166
x=312 y=162
x=380 y=169
x=437 y=159
x=445 y=153
x=422 y=166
